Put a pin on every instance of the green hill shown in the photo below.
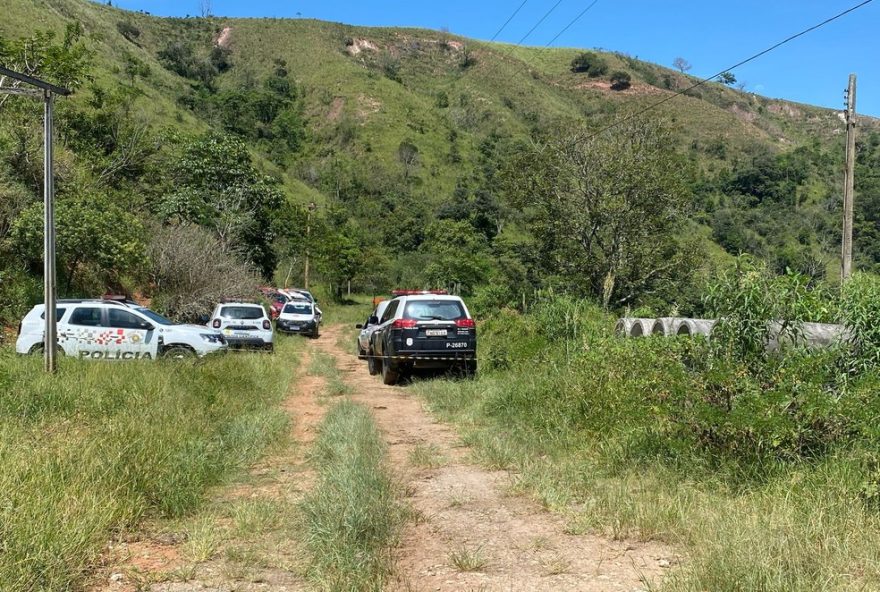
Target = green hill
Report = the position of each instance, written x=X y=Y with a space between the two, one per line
x=387 y=129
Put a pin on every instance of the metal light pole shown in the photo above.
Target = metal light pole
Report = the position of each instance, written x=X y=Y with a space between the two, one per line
x=49 y=290
x=50 y=335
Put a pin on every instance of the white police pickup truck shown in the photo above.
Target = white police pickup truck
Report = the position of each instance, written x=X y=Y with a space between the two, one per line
x=114 y=330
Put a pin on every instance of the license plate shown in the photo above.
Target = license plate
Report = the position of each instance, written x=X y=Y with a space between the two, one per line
x=435 y=332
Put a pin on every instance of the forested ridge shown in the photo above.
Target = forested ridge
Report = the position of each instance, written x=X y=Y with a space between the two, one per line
x=192 y=148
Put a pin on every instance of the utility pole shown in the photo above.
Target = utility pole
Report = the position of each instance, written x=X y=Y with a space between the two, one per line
x=47 y=92
x=49 y=277
x=312 y=208
x=849 y=180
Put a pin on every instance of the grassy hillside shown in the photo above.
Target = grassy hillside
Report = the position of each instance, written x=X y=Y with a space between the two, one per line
x=388 y=130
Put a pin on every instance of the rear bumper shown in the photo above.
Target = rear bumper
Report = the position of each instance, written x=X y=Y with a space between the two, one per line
x=434 y=359
x=302 y=330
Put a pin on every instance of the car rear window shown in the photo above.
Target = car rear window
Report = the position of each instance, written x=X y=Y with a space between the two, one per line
x=298 y=308
x=434 y=310
x=59 y=312
x=241 y=312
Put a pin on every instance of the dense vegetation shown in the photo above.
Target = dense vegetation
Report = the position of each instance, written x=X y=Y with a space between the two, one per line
x=97 y=452
x=761 y=467
x=431 y=160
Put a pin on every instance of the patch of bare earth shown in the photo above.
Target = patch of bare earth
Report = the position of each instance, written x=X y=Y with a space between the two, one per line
x=336 y=109
x=224 y=37
x=470 y=532
x=243 y=539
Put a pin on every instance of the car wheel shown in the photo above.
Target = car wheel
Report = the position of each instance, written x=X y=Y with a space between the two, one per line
x=470 y=369
x=178 y=352
x=373 y=364
x=270 y=347
x=390 y=373
x=37 y=350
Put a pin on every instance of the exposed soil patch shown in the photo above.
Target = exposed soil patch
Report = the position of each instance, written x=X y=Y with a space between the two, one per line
x=238 y=555
x=224 y=37
x=336 y=109
x=471 y=534
x=358 y=45
x=635 y=89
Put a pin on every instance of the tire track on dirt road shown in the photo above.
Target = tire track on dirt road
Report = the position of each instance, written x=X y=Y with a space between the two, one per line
x=156 y=559
x=469 y=532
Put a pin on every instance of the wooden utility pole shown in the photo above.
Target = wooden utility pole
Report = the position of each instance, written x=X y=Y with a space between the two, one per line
x=312 y=207
x=849 y=180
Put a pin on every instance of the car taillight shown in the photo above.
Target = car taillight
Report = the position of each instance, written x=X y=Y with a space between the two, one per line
x=465 y=323
x=404 y=324
x=266 y=324
x=216 y=323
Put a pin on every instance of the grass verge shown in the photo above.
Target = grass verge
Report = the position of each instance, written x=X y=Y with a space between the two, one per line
x=97 y=447
x=585 y=427
x=352 y=517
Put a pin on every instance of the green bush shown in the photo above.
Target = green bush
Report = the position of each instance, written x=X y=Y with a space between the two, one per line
x=620 y=80
x=590 y=63
x=860 y=312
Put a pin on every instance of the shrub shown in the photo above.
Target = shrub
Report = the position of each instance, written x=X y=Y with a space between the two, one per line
x=590 y=63
x=860 y=312
x=620 y=80
x=128 y=30
x=191 y=274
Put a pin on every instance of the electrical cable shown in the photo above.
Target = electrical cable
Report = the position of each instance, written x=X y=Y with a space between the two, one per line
x=538 y=24
x=507 y=22
x=737 y=65
x=571 y=24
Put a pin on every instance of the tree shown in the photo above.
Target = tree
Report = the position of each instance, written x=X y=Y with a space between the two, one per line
x=609 y=209
x=408 y=155
x=620 y=80
x=727 y=78
x=215 y=185
x=92 y=232
x=682 y=64
x=590 y=63
x=457 y=255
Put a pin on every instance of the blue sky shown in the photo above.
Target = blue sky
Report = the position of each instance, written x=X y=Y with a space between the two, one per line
x=711 y=35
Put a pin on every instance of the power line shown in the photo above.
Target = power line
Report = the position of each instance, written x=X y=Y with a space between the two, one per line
x=538 y=24
x=507 y=22
x=737 y=65
x=571 y=24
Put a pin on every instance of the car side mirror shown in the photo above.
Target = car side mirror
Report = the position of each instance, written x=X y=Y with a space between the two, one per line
x=147 y=326
x=358 y=326
x=374 y=320
x=203 y=319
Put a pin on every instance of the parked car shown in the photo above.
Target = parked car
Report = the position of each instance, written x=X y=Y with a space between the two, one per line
x=244 y=325
x=114 y=330
x=297 y=293
x=276 y=299
x=365 y=337
x=299 y=316
x=424 y=331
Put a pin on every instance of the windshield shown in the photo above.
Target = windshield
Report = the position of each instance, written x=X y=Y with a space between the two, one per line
x=298 y=308
x=154 y=316
x=434 y=310
x=242 y=313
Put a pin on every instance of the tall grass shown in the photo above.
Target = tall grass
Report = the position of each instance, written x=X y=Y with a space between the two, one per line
x=97 y=447
x=618 y=436
x=351 y=516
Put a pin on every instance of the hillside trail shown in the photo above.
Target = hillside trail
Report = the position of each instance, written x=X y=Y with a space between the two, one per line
x=470 y=532
x=217 y=555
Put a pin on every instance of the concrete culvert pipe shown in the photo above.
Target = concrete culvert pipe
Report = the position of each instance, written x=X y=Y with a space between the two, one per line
x=810 y=335
x=664 y=326
x=693 y=327
x=641 y=327
x=623 y=327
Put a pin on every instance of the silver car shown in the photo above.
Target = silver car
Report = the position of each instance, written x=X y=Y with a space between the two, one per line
x=365 y=346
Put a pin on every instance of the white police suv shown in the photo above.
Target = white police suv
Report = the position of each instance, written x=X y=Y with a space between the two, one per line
x=244 y=325
x=116 y=330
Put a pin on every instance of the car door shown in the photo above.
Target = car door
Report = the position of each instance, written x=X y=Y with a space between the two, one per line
x=82 y=332
x=129 y=336
x=379 y=336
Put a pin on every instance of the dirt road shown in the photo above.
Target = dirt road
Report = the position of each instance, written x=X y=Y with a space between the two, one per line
x=471 y=534
x=469 y=531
